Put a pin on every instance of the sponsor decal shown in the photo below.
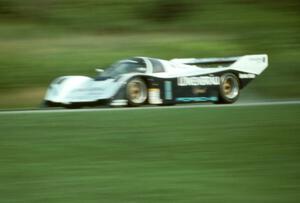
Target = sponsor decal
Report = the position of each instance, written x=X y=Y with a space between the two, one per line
x=154 y=96
x=246 y=75
x=196 y=99
x=198 y=81
x=168 y=90
x=258 y=59
x=119 y=102
x=89 y=91
x=199 y=90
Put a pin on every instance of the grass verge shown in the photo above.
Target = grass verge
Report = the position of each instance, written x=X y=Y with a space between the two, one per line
x=241 y=154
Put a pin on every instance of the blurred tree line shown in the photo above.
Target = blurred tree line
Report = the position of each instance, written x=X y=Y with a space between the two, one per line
x=276 y=22
x=89 y=12
x=42 y=39
x=130 y=14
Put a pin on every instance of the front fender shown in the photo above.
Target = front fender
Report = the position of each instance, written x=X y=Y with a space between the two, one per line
x=61 y=87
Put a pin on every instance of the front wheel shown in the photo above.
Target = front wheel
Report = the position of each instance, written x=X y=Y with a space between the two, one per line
x=136 y=92
x=229 y=88
x=47 y=104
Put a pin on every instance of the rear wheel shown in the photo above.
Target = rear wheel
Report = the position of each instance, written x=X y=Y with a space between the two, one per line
x=229 y=88
x=136 y=92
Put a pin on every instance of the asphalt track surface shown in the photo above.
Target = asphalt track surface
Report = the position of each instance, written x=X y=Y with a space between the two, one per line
x=180 y=106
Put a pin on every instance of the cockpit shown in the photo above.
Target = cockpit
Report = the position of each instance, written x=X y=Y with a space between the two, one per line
x=133 y=65
x=157 y=66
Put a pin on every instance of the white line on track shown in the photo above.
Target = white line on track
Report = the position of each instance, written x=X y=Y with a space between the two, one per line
x=182 y=106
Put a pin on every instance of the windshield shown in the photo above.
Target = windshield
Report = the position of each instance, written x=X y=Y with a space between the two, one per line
x=125 y=66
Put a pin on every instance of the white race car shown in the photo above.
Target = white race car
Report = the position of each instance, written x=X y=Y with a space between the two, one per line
x=143 y=80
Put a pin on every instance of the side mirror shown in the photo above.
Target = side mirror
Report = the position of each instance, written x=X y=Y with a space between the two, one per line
x=99 y=70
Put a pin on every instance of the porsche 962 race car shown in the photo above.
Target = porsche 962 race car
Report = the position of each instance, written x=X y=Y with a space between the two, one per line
x=143 y=80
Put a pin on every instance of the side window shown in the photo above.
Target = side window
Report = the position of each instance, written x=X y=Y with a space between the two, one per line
x=157 y=66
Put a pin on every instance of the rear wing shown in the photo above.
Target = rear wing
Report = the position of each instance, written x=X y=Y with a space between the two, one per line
x=249 y=63
x=195 y=61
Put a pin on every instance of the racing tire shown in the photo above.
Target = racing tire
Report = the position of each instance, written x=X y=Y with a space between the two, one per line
x=136 y=92
x=229 y=88
x=47 y=104
x=72 y=106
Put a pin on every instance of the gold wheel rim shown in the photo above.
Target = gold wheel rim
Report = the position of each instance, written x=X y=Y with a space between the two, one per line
x=227 y=87
x=136 y=91
x=230 y=87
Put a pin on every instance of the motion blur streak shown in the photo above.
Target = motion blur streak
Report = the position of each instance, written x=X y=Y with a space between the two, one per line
x=40 y=40
x=212 y=155
x=245 y=104
x=242 y=153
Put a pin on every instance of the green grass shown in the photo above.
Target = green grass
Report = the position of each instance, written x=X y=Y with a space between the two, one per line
x=40 y=60
x=239 y=154
x=28 y=65
x=41 y=41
